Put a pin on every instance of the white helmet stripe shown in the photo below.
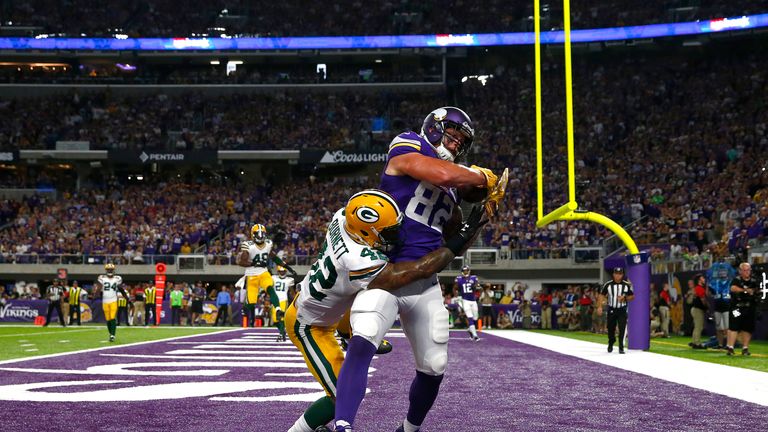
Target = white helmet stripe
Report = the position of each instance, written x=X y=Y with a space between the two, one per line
x=381 y=194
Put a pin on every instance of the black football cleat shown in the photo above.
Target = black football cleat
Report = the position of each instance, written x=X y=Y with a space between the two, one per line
x=621 y=351
x=322 y=428
x=610 y=348
x=384 y=347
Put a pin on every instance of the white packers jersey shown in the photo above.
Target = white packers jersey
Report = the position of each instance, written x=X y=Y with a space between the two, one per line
x=281 y=285
x=109 y=287
x=259 y=256
x=343 y=268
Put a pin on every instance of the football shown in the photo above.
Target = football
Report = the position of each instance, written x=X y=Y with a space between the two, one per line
x=472 y=194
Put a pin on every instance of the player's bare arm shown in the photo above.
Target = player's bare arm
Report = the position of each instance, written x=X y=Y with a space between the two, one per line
x=435 y=171
x=397 y=275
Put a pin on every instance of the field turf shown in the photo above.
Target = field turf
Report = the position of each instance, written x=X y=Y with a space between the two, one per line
x=19 y=341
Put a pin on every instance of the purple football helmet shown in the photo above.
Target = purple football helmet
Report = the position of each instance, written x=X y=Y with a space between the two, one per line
x=434 y=126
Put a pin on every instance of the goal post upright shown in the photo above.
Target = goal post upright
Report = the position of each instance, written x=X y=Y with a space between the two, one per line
x=638 y=266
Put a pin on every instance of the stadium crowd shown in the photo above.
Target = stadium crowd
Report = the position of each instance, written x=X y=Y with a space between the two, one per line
x=640 y=151
x=160 y=18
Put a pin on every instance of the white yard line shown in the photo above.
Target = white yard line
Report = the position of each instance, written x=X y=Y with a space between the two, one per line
x=112 y=347
x=752 y=385
x=48 y=333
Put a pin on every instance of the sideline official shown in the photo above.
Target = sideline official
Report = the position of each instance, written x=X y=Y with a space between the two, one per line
x=616 y=293
x=54 y=293
x=74 y=303
x=149 y=305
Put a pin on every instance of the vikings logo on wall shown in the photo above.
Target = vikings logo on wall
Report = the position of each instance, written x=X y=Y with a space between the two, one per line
x=86 y=313
x=209 y=313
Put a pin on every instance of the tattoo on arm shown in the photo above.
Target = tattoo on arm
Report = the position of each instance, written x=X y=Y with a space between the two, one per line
x=397 y=275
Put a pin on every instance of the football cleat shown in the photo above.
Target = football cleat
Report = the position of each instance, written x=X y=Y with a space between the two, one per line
x=402 y=429
x=344 y=344
x=745 y=352
x=621 y=351
x=610 y=348
x=384 y=347
x=322 y=428
x=730 y=351
x=111 y=338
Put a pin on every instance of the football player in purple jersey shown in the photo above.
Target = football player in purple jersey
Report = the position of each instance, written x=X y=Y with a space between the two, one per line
x=467 y=284
x=421 y=175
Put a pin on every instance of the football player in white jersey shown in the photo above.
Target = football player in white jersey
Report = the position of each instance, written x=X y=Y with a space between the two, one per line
x=255 y=255
x=110 y=284
x=282 y=283
x=351 y=260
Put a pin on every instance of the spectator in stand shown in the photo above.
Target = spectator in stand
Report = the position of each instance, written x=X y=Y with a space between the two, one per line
x=699 y=306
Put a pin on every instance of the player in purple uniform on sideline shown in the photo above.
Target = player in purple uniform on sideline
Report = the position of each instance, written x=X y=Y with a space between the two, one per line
x=421 y=176
x=467 y=284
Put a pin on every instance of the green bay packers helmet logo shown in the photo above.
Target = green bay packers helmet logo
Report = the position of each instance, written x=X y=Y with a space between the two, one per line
x=367 y=214
x=439 y=114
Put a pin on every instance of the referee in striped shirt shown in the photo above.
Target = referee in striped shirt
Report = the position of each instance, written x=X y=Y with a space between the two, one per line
x=54 y=294
x=616 y=292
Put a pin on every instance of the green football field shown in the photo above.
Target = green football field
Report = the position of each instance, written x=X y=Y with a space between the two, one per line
x=18 y=341
x=678 y=346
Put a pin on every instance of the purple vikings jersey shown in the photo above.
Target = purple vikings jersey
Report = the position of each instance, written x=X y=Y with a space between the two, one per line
x=426 y=208
x=467 y=286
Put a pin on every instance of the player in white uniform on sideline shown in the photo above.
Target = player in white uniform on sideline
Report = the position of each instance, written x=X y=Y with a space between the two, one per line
x=255 y=255
x=111 y=284
x=352 y=260
x=281 y=283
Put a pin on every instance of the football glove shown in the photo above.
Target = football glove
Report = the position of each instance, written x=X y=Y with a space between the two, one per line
x=459 y=242
x=490 y=177
x=496 y=194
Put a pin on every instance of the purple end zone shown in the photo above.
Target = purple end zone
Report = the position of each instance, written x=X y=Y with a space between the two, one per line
x=492 y=385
